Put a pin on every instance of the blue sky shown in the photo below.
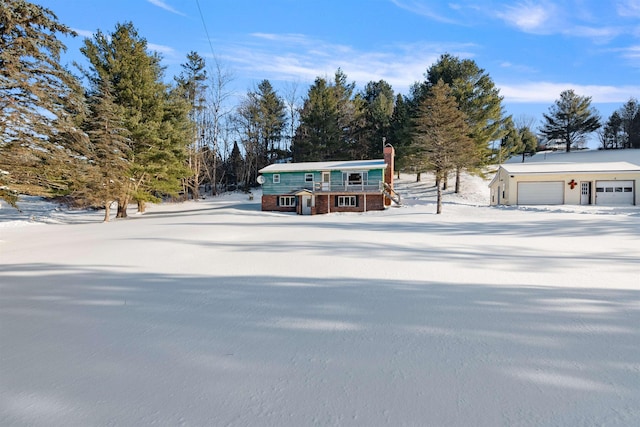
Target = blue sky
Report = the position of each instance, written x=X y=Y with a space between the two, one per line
x=533 y=50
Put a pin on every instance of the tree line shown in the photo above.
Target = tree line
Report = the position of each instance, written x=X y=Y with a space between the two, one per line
x=120 y=133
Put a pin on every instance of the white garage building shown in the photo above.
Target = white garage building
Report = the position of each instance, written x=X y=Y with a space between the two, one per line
x=613 y=184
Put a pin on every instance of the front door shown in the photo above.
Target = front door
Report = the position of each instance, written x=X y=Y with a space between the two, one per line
x=306 y=204
x=326 y=181
x=585 y=193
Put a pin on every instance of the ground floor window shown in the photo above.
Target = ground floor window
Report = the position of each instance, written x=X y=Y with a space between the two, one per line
x=346 y=201
x=287 y=201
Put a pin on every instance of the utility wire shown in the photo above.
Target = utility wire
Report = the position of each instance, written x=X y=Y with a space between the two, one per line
x=205 y=29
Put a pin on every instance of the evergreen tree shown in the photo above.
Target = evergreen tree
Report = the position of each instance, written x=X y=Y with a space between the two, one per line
x=630 y=122
x=477 y=97
x=192 y=84
x=108 y=150
x=39 y=140
x=441 y=135
x=271 y=124
x=331 y=122
x=156 y=120
x=378 y=111
x=319 y=134
x=400 y=132
x=613 y=135
x=570 y=119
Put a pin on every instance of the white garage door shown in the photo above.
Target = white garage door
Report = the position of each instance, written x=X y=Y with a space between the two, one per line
x=541 y=193
x=614 y=192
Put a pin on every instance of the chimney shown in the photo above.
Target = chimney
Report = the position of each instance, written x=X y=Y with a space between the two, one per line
x=389 y=154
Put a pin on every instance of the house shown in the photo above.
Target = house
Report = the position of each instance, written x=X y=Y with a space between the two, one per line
x=605 y=183
x=322 y=187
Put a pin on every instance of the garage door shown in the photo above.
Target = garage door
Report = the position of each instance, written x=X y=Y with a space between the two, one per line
x=614 y=192
x=541 y=193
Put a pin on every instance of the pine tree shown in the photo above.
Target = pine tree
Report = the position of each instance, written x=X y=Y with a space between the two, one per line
x=441 y=134
x=39 y=98
x=192 y=84
x=108 y=151
x=378 y=111
x=570 y=119
x=156 y=120
x=478 y=98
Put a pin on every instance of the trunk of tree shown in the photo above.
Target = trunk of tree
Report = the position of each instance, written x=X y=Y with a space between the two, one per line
x=568 y=145
x=418 y=177
x=398 y=173
x=445 y=181
x=122 y=208
x=142 y=206
x=458 y=172
x=439 y=198
x=107 y=211
x=523 y=153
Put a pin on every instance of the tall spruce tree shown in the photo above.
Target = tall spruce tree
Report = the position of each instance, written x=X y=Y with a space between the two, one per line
x=570 y=119
x=441 y=135
x=39 y=99
x=156 y=120
x=479 y=99
x=108 y=149
x=379 y=102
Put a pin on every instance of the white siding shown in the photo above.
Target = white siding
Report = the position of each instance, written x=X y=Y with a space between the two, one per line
x=541 y=193
x=614 y=192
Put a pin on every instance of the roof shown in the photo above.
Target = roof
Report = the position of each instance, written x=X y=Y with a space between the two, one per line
x=325 y=166
x=545 y=168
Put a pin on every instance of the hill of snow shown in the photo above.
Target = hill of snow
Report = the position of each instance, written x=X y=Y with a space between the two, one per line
x=582 y=156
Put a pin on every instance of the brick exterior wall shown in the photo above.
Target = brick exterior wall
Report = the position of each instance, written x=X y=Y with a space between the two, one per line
x=375 y=202
x=270 y=203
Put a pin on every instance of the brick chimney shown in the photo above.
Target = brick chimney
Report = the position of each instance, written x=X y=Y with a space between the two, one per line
x=389 y=154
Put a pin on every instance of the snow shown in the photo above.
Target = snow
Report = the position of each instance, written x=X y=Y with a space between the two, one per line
x=215 y=313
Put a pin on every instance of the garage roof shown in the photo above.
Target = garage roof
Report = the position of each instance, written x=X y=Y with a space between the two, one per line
x=543 y=168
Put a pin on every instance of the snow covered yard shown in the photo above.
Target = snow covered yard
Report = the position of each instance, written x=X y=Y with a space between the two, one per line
x=215 y=313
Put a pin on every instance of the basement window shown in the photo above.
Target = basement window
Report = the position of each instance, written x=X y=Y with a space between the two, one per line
x=287 y=201
x=347 y=201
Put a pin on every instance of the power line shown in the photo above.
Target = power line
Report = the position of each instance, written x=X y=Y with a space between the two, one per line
x=205 y=29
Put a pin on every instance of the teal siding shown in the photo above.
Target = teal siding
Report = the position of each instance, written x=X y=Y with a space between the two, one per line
x=294 y=181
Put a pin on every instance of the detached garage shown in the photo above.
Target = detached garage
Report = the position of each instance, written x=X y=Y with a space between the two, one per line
x=610 y=184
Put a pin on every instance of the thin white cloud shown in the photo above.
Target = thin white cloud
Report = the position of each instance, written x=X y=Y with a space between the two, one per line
x=548 y=92
x=528 y=16
x=297 y=57
x=426 y=9
x=161 y=4
x=83 y=33
x=628 y=8
x=165 y=50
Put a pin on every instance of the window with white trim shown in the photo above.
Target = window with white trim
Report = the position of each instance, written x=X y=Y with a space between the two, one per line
x=308 y=177
x=347 y=201
x=287 y=201
x=276 y=178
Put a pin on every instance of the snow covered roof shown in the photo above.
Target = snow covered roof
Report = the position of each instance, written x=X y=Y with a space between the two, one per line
x=541 y=168
x=325 y=166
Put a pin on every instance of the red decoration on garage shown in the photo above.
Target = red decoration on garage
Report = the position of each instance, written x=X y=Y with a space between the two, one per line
x=572 y=184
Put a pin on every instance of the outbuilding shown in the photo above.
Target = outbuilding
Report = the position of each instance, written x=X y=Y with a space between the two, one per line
x=613 y=184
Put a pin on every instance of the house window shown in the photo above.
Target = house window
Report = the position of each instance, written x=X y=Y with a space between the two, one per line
x=355 y=178
x=276 y=178
x=308 y=177
x=287 y=201
x=347 y=201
